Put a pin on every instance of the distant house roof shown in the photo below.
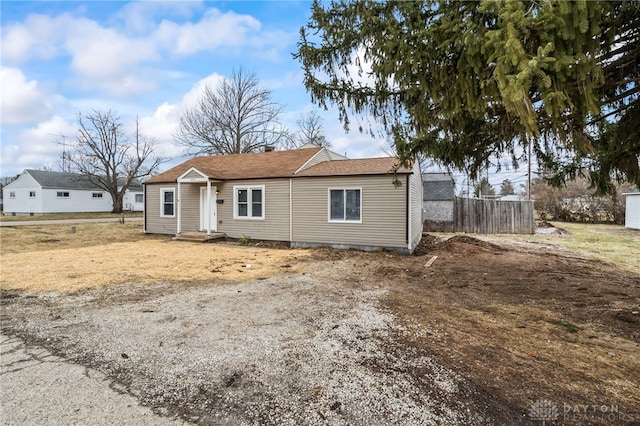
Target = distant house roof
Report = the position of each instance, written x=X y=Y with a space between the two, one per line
x=437 y=187
x=430 y=177
x=61 y=180
x=363 y=166
x=276 y=164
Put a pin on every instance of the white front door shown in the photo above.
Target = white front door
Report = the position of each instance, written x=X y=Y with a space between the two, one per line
x=213 y=210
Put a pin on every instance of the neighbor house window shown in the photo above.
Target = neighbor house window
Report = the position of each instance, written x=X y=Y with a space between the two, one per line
x=32 y=194
x=139 y=198
x=248 y=202
x=97 y=195
x=12 y=194
x=63 y=194
x=345 y=205
x=167 y=202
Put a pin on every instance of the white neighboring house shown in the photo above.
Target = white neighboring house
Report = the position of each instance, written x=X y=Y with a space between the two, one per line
x=632 y=212
x=41 y=192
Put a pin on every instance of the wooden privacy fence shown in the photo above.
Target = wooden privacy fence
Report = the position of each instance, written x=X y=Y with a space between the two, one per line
x=479 y=216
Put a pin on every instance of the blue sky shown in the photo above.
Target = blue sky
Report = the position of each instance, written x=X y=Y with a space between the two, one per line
x=148 y=59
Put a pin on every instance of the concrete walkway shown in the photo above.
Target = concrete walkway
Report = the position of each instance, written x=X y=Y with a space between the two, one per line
x=39 y=388
x=65 y=221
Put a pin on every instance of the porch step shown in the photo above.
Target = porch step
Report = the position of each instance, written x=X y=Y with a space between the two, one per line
x=199 y=237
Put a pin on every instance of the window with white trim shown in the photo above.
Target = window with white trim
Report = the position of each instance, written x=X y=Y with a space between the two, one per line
x=32 y=194
x=97 y=195
x=12 y=194
x=139 y=198
x=345 y=205
x=62 y=194
x=167 y=202
x=248 y=202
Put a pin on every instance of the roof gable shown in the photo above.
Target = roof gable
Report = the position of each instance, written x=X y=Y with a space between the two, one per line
x=193 y=175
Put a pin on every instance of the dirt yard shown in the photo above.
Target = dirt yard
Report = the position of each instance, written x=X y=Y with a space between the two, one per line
x=477 y=335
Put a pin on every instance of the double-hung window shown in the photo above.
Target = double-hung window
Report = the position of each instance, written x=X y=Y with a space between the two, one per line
x=345 y=205
x=248 y=202
x=167 y=202
x=62 y=194
x=32 y=194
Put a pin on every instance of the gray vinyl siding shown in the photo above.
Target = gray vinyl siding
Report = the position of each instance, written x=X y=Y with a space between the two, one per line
x=415 y=194
x=383 y=212
x=275 y=225
x=193 y=175
x=190 y=207
x=154 y=224
x=322 y=156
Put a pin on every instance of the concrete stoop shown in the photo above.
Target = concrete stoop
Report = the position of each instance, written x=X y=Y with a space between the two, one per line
x=199 y=237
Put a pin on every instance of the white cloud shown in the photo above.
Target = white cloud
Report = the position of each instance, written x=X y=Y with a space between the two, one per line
x=163 y=123
x=139 y=17
x=162 y=126
x=214 y=30
x=123 y=57
x=22 y=100
x=104 y=53
x=37 y=38
x=191 y=98
x=36 y=147
x=355 y=144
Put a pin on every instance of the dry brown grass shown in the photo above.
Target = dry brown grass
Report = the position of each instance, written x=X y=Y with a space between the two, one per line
x=38 y=259
x=23 y=239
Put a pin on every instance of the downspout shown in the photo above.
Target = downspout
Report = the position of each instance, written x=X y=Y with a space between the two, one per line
x=290 y=210
x=179 y=205
x=409 y=223
x=406 y=234
x=208 y=212
x=144 y=206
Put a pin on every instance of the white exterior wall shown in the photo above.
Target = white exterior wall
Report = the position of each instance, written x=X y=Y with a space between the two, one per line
x=79 y=201
x=632 y=213
x=22 y=203
x=47 y=200
x=129 y=201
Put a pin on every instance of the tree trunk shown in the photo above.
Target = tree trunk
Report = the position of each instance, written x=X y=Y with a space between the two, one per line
x=117 y=204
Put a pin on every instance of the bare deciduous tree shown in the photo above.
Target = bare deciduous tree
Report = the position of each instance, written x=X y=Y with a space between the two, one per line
x=235 y=117
x=311 y=131
x=109 y=157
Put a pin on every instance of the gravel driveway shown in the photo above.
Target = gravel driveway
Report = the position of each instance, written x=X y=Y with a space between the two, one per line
x=293 y=349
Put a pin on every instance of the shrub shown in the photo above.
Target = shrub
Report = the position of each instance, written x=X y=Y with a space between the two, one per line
x=245 y=240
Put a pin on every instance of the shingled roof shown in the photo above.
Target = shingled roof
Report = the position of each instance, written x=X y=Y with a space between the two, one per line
x=60 y=180
x=276 y=164
x=242 y=166
x=363 y=166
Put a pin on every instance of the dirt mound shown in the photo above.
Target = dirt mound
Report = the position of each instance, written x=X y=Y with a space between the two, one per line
x=456 y=244
x=464 y=241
